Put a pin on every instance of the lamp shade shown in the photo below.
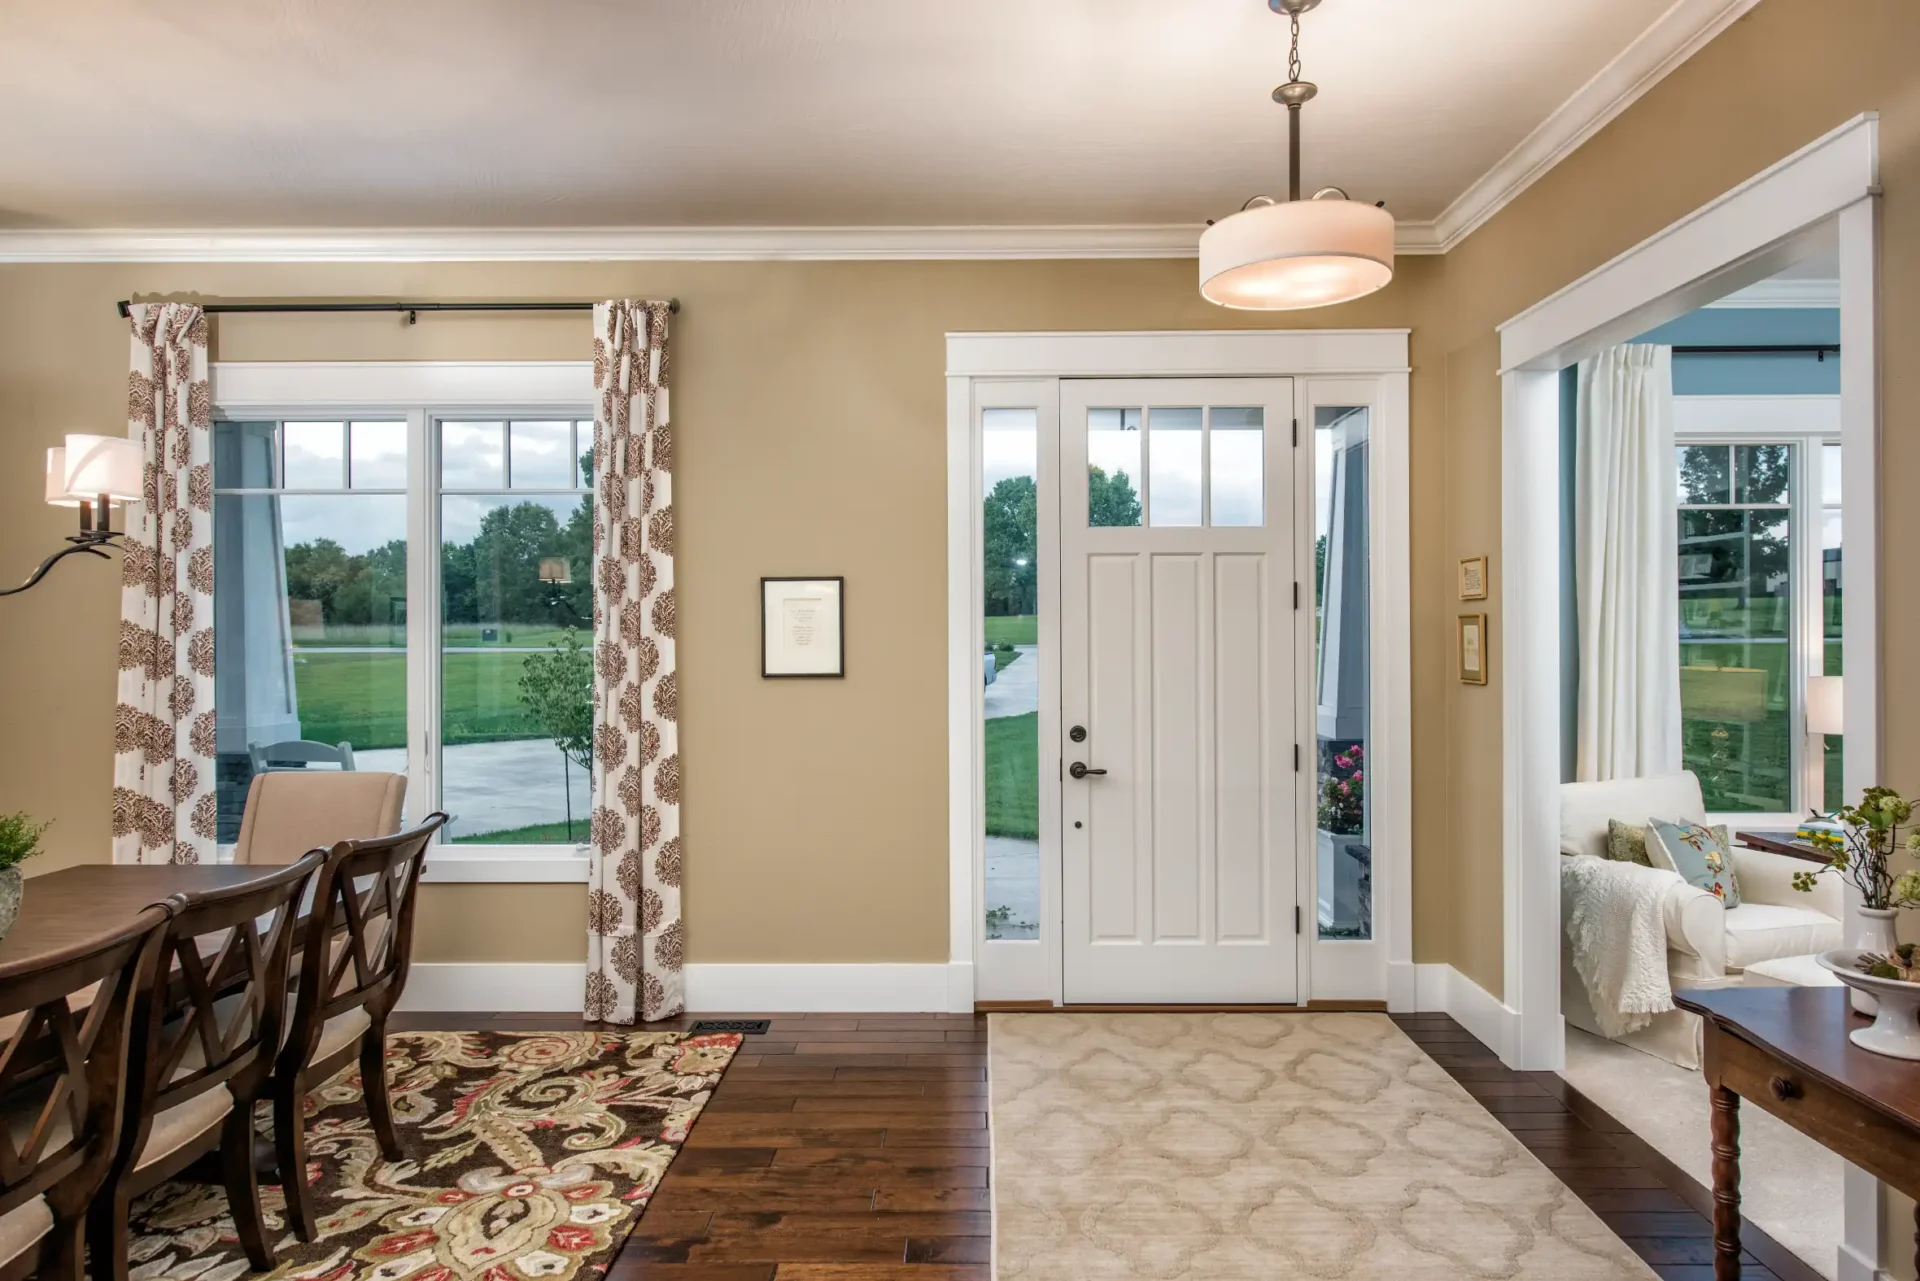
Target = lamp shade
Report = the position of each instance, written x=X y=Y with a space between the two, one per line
x=1825 y=705
x=1304 y=253
x=110 y=465
x=57 y=495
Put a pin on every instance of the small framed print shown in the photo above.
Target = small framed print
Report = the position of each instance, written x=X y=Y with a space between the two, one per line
x=1473 y=649
x=800 y=627
x=1473 y=578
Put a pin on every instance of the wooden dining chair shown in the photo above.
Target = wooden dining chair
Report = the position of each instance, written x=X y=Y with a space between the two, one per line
x=213 y=1023
x=354 y=953
x=290 y=812
x=63 y=1075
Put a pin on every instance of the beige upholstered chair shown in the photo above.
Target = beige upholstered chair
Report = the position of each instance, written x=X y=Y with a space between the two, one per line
x=291 y=811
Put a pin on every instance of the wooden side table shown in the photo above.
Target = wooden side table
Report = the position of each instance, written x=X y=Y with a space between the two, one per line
x=1785 y=1050
x=1787 y=843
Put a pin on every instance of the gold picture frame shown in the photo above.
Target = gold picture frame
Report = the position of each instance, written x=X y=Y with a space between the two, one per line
x=1473 y=578
x=1471 y=649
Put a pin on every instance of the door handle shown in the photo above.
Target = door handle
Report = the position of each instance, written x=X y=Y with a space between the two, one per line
x=1078 y=770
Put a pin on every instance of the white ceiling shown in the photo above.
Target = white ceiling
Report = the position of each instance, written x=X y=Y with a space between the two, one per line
x=767 y=113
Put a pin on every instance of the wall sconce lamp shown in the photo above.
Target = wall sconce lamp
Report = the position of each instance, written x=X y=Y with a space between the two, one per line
x=91 y=473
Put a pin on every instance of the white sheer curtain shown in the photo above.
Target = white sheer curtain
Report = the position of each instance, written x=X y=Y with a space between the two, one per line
x=1627 y=591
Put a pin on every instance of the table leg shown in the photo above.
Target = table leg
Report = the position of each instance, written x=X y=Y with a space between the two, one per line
x=1726 y=1184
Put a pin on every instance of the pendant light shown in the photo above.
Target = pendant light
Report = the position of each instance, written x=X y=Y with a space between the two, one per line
x=1274 y=256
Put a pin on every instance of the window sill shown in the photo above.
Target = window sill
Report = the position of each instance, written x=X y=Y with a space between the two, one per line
x=505 y=865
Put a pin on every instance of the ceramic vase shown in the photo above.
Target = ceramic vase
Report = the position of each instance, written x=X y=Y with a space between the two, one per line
x=1872 y=932
x=11 y=887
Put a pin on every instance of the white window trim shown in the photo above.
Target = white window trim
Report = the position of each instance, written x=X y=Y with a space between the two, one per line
x=1371 y=367
x=1806 y=422
x=424 y=391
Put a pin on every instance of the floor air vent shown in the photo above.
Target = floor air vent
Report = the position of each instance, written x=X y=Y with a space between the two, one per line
x=749 y=1027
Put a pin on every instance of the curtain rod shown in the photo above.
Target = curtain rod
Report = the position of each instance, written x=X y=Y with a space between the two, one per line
x=1819 y=350
x=217 y=308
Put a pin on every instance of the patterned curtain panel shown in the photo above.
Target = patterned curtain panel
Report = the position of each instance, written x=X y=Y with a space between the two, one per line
x=634 y=936
x=163 y=781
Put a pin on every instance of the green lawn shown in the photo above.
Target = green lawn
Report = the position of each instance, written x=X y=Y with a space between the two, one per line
x=1013 y=776
x=538 y=834
x=1013 y=629
x=453 y=635
x=362 y=698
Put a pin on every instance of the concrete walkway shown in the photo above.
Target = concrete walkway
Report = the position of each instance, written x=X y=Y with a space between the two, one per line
x=1016 y=689
x=1013 y=882
x=491 y=787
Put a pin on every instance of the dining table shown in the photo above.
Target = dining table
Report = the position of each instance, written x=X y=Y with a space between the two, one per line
x=61 y=908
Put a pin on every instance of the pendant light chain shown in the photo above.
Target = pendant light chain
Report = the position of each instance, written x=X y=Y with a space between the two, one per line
x=1293 y=53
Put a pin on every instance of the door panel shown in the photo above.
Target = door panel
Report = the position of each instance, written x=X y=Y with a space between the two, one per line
x=1178 y=848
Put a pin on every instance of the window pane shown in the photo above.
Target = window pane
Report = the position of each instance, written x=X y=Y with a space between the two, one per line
x=1705 y=474
x=379 y=455
x=472 y=456
x=1736 y=596
x=1236 y=466
x=542 y=455
x=1764 y=473
x=1011 y=669
x=1113 y=467
x=1830 y=475
x=516 y=668
x=243 y=455
x=310 y=633
x=1830 y=610
x=315 y=455
x=1173 y=453
x=1344 y=873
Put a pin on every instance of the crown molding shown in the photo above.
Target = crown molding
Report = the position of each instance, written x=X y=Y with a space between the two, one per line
x=623 y=244
x=1784 y=294
x=1679 y=33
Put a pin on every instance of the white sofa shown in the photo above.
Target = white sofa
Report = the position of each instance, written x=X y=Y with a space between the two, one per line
x=1708 y=945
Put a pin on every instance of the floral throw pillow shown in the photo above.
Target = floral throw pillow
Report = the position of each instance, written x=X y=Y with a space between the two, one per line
x=1627 y=843
x=1701 y=855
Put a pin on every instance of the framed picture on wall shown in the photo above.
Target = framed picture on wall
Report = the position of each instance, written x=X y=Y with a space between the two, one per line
x=1473 y=578
x=800 y=627
x=1473 y=649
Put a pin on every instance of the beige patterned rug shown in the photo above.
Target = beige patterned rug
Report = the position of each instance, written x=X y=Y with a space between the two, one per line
x=1232 y=1146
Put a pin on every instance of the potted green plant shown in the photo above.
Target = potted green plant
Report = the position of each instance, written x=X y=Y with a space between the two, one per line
x=1861 y=853
x=19 y=840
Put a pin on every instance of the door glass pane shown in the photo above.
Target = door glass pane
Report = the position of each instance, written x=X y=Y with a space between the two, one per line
x=1705 y=474
x=1342 y=689
x=1113 y=467
x=1010 y=667
x=1236 y=466
x=516 y=659
x=310 y=622
x=315 y=455
x=542 y=455
x=472 y=455
x=377 y=453
x=1173 y=477
x=1830 y=475
x=1736 y=614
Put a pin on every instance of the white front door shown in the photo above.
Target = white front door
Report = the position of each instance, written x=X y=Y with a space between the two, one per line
x=1178 y=679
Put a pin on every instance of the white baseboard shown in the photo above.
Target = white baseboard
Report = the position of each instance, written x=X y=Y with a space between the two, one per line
x=1441 y=989
x=767 y=989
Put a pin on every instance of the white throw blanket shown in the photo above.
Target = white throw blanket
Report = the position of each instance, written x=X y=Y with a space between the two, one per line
x=1613 y=921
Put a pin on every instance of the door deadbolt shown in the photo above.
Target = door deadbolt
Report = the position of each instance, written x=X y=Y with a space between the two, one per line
x=1078 y=733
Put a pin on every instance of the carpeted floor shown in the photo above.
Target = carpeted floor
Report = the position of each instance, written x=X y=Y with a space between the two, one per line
x=1789 y=1185
x=526 y=1155
x=1232 y=1146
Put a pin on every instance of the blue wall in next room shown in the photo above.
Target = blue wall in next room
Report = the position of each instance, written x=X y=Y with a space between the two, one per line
x=1784 y=374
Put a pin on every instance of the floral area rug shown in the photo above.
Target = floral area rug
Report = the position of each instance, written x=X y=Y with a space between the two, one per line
x=527 y=1155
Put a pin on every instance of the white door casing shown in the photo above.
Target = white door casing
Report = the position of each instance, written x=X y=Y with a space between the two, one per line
x=1178 y=657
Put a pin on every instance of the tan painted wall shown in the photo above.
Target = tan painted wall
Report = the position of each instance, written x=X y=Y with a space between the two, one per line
x=810 y=408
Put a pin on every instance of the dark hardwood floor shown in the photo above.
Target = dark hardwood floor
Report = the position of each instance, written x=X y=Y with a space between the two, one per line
x=853 y=1147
